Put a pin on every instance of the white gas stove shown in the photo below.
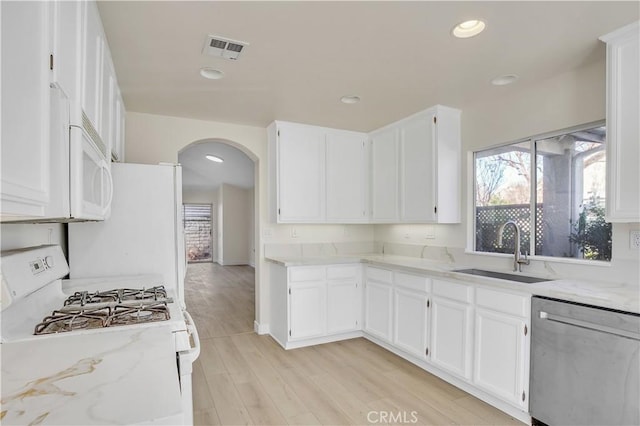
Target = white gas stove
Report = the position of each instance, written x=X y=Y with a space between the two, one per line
x=127 y=333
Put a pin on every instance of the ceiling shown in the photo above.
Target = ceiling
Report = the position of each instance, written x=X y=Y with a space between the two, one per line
x=399 y=57
x=200 y=174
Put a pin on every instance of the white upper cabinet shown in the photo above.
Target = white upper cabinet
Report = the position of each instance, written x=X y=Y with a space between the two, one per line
x=384 y=175
x=92 y=64
x=346 y=176
x=317 y=175
x=430 y=159
x=57 y=76
x=623 y=132
x=415 y=169
x=300 y=172
x=67 y=46
x=25 y=109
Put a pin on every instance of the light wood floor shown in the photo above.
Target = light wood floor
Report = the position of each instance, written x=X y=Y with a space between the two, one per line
x=243 y=378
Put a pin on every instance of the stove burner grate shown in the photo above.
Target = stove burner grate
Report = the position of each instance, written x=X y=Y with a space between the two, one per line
x=60 y=321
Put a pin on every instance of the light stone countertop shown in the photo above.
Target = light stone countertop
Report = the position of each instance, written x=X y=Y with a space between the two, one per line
x=603 y=294
x=113 y=377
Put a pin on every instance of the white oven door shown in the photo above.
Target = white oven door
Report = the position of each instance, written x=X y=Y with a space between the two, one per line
x=91 y=185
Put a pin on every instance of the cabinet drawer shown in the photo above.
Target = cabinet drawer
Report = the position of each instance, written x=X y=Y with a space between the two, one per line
x=413 y=282
x=509 y=303
x=452 y=290
x=342 y=271
x=316 y=273
x=381 y=275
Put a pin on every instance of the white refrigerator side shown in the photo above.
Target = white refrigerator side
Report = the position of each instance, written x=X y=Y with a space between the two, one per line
x=181 y=250
x=141 y=235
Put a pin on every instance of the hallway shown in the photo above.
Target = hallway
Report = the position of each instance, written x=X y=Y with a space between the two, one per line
x=243 y=378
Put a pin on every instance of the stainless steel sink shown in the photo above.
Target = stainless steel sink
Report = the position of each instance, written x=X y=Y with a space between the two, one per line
x=501 y=276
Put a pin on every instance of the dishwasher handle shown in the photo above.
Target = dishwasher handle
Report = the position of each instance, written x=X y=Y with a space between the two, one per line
x=589 y=325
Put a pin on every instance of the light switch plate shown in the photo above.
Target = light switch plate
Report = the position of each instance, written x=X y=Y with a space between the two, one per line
x=634 y=240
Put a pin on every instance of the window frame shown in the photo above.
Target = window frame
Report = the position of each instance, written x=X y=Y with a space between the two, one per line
x=471 y=195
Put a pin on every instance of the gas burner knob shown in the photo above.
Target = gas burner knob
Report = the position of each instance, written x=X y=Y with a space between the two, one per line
x=48 y=261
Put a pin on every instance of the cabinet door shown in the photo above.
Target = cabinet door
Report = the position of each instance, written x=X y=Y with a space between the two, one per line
x=92 y=66
x=623 y=133
x=346 y=175
x=67 y=45
x=451 y=336
x=108 y=101
x=25 y=109
x=378 y=302
x=384 y=176
x=411 y=322
x=117 y=150
x=307 y=310
x=300 y=173
x=500 y=355
x=417 y=170
x=343 y=306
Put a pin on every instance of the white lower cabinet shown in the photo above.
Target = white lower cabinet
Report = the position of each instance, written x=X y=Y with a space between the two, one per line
x=451 y=336
x=378 y=295
x=315 y=304
x=502 y=345
x=343 y=305
x=307 y=306
x=411 y=322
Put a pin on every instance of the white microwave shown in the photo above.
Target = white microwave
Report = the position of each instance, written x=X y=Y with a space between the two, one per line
x=81 y=185
x=90 y=181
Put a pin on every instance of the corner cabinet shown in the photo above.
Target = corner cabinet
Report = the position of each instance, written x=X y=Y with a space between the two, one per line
x=416 y=167
x=623 y=131
x=317 y=174
x=315 y=304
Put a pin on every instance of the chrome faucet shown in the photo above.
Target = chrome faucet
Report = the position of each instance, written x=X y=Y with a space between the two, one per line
x=517 y=256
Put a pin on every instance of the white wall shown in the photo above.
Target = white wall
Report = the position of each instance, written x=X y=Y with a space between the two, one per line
x=250 y=224
x=566 y=100
x=234 y=232
x=190 y=196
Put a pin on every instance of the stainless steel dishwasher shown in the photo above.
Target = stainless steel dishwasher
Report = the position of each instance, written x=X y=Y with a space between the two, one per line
x=585 y=364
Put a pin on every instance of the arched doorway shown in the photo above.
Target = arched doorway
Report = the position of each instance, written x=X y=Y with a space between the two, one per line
x=229 y=187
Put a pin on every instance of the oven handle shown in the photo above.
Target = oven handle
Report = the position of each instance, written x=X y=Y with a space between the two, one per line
x=589 y=325
x=194 y=352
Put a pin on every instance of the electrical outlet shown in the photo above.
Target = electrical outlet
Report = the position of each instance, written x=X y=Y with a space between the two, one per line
x=430 y=232
x=634 y=240
x=267 y=232
x=294 y=233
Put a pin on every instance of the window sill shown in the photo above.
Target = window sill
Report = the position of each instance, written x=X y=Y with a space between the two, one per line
x=565 y=260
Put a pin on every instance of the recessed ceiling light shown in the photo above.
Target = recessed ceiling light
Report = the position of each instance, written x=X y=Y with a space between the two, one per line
x=211 y=73
x=350 y=99
x=469 y=28
x=215 y=159
x=504 y=80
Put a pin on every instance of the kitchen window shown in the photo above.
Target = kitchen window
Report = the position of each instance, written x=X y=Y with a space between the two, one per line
x=553 y=187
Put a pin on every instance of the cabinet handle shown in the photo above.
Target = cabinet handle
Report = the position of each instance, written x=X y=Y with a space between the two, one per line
x=51 y=62
x=428 y=303
x=426 y=352
x=523 y=396
x=289 y=291
x=435 y=209
x=289 y=332
x=526 y=330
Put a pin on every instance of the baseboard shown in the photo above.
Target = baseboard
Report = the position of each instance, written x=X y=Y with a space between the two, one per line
x=260 y=328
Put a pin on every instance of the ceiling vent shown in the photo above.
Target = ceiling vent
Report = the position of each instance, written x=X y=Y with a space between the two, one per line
x=223 y=47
